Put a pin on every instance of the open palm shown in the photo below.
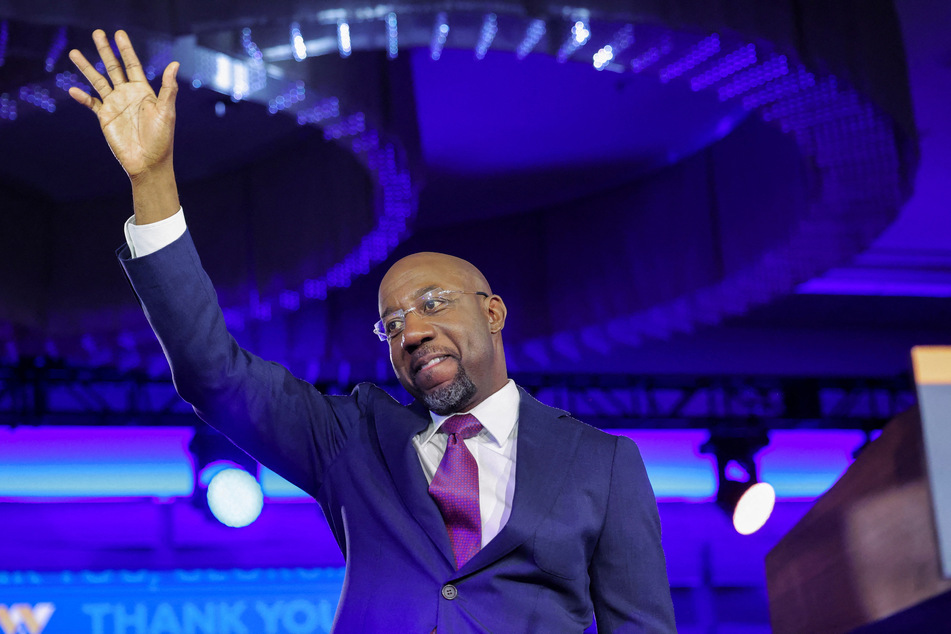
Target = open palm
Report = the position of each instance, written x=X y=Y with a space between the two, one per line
x=138 y=125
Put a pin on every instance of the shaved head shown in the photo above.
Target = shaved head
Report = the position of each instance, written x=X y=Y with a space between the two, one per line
x=450 y=356
x=445 y=265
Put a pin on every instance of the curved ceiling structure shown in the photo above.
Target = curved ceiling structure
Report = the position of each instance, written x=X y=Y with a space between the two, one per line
x=644 y=172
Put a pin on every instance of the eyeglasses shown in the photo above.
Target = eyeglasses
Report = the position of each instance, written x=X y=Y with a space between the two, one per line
x=425 y=306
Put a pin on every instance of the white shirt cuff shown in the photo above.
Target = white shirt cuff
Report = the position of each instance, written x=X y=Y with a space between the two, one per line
x=146 y=239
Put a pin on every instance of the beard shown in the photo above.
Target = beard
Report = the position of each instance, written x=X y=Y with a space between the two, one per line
x=449 y=399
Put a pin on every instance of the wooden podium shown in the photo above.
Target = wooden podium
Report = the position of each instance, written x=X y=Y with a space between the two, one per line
x=867 y=556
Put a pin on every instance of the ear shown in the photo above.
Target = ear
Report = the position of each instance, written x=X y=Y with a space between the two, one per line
x=496 y=312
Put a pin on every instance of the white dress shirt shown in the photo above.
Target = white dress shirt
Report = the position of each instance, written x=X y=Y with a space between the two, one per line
x=493 y=448
x=146 y=239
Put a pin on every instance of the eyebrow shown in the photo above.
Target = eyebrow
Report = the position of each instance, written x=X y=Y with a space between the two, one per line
x=433 y=287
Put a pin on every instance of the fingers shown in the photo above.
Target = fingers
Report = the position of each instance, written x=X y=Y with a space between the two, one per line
x=113 y=67
x=82 y=98
x=97 y=81
x=133 y=67
x=166 y=96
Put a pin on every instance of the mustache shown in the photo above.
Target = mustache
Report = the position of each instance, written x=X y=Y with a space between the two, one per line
x=431 y=350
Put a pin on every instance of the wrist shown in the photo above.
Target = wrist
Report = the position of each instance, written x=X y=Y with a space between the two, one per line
x=154 y=195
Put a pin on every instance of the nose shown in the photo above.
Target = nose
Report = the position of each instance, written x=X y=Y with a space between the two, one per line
x=416 y=331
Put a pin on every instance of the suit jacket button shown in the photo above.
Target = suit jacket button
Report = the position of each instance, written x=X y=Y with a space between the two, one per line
x=449 y=592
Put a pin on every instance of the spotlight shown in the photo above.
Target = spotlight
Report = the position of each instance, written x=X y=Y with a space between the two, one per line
x=235 y=497
x=621 y=42
x=343 y=38
x=740 y=494
x=580 y=34
x=440 y=33
x=298 y=46
x=224 y=480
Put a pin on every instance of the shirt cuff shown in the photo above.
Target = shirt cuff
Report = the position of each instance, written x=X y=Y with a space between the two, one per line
x=146 y=239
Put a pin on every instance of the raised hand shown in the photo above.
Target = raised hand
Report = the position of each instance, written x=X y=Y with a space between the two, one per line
x=138 y=125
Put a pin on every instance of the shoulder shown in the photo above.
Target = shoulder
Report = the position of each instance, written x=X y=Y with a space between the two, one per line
x=531 y=410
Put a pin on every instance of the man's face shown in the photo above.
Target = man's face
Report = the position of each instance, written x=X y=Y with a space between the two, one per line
x=452 y=360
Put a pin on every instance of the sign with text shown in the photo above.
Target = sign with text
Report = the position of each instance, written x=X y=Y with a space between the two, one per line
x=260 y=601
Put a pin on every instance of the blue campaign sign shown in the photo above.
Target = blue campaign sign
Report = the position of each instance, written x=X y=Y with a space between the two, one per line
x=260 y=601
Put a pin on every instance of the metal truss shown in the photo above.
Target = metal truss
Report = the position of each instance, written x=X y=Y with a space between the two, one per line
x=33 y=393
x=723 y=402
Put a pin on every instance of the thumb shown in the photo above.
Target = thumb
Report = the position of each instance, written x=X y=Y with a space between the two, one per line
x=166 y=96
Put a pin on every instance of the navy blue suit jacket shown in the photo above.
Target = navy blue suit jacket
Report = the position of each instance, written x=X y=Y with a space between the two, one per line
x=583 y=537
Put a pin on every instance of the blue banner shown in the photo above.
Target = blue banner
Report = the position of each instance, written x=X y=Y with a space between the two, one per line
x=260 y=601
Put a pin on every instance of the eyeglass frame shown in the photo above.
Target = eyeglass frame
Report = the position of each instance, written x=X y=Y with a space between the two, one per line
x=379 y=328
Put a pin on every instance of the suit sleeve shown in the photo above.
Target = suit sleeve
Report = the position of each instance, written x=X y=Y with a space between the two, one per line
x=283 y=422
x=628 y=571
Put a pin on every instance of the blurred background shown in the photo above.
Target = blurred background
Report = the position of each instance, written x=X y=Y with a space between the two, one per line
x=719 y=227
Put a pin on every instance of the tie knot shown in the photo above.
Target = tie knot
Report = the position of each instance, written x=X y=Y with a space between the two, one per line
x=463 y=425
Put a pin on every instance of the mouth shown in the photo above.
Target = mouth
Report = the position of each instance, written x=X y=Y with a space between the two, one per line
x=427 y=361
x=431 y=363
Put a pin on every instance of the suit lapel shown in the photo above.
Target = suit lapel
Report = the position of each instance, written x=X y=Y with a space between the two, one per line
x=546 y=443
x=395 y=430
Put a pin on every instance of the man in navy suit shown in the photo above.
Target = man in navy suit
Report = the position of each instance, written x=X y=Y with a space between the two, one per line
x=511 y=518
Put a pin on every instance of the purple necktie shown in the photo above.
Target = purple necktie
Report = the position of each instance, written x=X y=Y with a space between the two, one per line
x=455 y=487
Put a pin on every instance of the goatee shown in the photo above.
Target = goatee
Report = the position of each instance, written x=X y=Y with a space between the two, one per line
x=449 y=399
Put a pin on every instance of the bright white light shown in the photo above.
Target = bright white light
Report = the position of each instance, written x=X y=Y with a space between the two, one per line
x=343 y=39
x=223 y=78
x=581 y=32
x=603 y=57
x=754 y=508
x=297 y=43
x=579 y=35
x=242 y=81
x=235 y=497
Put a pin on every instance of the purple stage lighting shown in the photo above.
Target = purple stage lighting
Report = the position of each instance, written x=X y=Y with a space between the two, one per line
x=325 y=109
x=489 y=29
x=392 y=36
x=780 y=88
x=290 y=300
x=757 y=76
x=534 y=33
x=4 y=37
x=440 y=33
x=652 y=55
x=726 y=66
x=56 y=49
x=352 y=125
x=38 y=96
x=67 y=80
x=701 y=52
x=250 y=47
x=8 y=108
x=295 y=95
x=621 y=42
x=579 y=36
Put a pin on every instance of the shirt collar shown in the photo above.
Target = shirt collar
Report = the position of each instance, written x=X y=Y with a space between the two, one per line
x=498 y=415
